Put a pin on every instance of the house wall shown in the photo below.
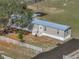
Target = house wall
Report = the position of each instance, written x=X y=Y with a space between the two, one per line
x=48 y=30
x=68 y=32
x=53 y=31
x=35 y=29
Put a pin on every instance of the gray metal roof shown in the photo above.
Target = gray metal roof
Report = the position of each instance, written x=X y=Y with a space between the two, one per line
x=58 y=52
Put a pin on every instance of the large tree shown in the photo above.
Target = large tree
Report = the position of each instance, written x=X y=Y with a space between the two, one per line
x=24 y=21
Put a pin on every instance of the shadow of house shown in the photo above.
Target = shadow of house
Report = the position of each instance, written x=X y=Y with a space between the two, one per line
x=61 y=50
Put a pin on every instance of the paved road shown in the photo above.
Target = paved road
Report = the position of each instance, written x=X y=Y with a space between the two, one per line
x=57 y=53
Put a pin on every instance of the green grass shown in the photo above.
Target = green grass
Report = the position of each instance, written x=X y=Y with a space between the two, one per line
x=70 y=16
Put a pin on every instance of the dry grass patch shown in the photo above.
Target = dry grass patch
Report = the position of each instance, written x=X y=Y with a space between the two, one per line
x=13 y=36
x=15 y=51
x=43 y=42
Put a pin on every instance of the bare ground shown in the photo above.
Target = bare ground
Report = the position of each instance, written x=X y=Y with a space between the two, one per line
x=43 y=42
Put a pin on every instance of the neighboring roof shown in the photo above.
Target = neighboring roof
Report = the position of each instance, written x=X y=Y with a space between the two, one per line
x=58 y=52
x=50 y=24
x=74 y=54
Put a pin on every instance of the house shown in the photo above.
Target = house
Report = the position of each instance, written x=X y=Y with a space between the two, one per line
x=73 y=55
x=50 y=29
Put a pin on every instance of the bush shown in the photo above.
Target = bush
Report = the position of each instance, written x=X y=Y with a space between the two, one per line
x=20 y=35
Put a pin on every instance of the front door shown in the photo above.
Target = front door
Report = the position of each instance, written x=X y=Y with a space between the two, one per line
x=40 y=30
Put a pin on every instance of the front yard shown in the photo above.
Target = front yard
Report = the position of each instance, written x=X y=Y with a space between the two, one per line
x=42 y=42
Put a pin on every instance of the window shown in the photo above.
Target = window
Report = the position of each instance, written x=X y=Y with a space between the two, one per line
x=40 y=27
x=45 y=29
x=57 y=31
x=66 y=31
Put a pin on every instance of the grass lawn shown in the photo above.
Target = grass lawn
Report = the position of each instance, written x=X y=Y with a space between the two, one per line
x=70 y=16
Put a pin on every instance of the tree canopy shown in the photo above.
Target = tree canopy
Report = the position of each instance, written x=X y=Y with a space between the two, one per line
x=9 y=7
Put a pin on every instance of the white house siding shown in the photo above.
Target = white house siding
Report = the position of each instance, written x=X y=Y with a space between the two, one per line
x=53 y=31
x=35 y=29
x=67 y=33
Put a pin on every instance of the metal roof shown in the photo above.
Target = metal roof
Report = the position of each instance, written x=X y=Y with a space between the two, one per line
x=50 y=24
x=62 y=49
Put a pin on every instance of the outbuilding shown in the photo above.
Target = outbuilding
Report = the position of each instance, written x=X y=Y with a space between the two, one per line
x=50 y=29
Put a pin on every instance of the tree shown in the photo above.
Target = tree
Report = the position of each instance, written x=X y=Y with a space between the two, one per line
x=23 y=22
x=17 y=8
x=3 y=23
x=27 y=17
